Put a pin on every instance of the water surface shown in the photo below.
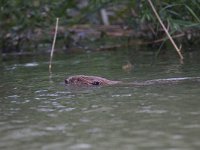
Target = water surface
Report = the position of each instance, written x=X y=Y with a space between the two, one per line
x=38 y=111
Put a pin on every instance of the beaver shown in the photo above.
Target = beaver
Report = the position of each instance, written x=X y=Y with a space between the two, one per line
x=89 y=80
x=83 y=80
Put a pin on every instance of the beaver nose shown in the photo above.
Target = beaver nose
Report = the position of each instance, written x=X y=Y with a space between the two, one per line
x=66 y=81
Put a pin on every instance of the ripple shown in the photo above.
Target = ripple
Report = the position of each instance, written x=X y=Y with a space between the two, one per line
x=67 y=109
x=195 y=113
x=122 y=95
x=56 y=128
x=192 y=126
x=13 y=96
x=57 y=105
x=40 y=91
x=40 y=98
x=33 y=64
x=45 y=110
x=23 y=133
x=153 y=111
x=148 y=110
x=81 y=146
x=11 y=68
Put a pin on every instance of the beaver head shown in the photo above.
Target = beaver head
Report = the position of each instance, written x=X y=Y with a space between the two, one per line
x=88 y=81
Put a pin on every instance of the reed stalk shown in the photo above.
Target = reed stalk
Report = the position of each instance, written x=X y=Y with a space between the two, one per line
x=166 y=31
x=53 y=45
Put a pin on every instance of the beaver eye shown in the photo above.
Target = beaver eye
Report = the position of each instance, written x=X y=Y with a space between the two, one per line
x=95 y=83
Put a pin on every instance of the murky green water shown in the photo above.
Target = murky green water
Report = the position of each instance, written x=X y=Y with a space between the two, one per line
x=39 y=112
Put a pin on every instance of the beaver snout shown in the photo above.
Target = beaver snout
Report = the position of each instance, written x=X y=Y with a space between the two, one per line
x=66 y=81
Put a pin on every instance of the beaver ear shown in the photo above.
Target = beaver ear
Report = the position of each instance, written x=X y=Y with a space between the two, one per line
x=95 y=83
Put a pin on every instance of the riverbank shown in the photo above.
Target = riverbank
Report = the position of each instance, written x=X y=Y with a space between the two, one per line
x=28 y=27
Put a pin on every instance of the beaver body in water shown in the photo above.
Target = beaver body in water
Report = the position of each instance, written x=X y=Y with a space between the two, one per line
x=89 y=81
x=83 y=80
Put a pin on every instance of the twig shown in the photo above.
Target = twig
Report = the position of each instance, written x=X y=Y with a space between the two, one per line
x=53 y=44
x=163 y=26
x=104 y=16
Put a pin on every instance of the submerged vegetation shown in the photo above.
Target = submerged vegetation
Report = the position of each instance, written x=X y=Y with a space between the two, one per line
x=27 y=25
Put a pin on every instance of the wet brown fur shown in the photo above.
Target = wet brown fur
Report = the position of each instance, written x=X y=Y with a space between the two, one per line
x=81 y=80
